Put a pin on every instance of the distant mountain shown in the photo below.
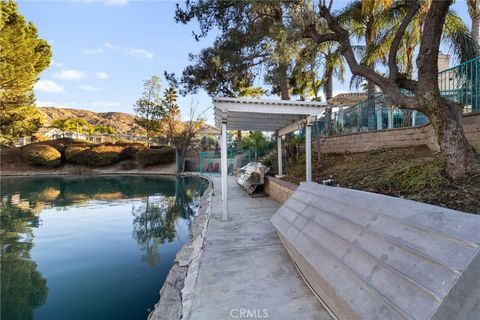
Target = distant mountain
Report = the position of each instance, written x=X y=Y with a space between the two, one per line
x=124 y=123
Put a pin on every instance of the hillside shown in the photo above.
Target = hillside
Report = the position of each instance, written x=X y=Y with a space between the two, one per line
x=124 y=123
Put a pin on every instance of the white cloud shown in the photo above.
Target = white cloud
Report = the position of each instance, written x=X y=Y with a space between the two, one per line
x=135 y=52
x=109 y=45
x=93 y=51
x=88 y=88
x=102 y=75
x=70 y=74
x=56 y=64
x=116 y=2
x=140 y=53
x=48 y=86
x=102 y=104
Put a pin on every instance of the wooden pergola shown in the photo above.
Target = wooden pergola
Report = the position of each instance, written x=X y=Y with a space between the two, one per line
x=279 y=116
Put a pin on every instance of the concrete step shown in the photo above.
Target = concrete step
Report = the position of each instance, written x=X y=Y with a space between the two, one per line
x=370 y=256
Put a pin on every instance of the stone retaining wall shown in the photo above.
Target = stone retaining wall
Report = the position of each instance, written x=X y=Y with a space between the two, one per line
x=401 y=137
x=278 y=189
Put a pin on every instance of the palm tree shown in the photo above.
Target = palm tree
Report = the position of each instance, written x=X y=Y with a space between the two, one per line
x=367 y=21
x=375 y=21
x=474 y=12
x=78 y=125
x=63 y=125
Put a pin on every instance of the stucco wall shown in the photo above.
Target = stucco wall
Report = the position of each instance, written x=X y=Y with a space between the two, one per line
x=401 y=137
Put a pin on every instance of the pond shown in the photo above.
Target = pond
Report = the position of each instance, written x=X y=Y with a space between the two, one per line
x=91 y=247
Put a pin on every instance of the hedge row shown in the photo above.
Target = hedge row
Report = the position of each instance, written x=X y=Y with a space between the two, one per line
x=150 y=157
x=53 y=152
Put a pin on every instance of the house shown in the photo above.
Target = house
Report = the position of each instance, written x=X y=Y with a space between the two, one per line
x=209 y=131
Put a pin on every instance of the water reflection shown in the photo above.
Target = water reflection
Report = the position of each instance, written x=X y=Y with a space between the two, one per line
x=22 y=285
x=159 y=205
x=154 y=220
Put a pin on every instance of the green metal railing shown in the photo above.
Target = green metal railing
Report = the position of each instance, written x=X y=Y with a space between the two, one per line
x=460 y=83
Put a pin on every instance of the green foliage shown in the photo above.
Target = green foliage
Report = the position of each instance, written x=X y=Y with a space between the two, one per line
x=150 y=107
x=255 y=140
x=149 y=157
x=414 y=177
x=19 y=122
x=23 y=56
x=253 y=35
x=206 y=143
x=42 y=155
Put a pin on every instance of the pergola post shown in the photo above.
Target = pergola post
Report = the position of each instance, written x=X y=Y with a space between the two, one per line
x=379 y=118
x=390 y=118
x=279 y=147
x=414 y=118
x=224 y=163
x=308 y=152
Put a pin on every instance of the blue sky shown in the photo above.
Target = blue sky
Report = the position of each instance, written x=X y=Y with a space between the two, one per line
x=103 y=50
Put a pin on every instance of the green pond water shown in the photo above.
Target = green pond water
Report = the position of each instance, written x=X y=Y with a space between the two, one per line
x=91 y=247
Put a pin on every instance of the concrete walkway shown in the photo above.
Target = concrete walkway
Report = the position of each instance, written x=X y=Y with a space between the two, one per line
x=245 y=272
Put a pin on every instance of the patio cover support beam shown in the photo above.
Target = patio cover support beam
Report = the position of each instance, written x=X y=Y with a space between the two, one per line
x=308 y=152
x=279 y=147
x=224 y=170
x=291 y=128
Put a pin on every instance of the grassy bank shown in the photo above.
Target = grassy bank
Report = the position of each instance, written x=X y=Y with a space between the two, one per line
x=413 y=173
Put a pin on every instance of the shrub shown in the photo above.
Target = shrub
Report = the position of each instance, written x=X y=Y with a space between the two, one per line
x=73 y=154
x=128 y=165
x=130 y=150
x=97 y=156
x=148 y=157
x=42 y=155
x=64 y=143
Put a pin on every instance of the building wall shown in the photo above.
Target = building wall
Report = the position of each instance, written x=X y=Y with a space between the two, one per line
x=401 y=137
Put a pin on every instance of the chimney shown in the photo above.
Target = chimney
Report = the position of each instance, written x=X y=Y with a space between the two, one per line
x=443 y=61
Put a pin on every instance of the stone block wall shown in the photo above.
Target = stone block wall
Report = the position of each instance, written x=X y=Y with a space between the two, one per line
x=278 y=189
x=401 y=137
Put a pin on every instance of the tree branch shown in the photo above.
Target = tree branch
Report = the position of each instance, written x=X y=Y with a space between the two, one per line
x=429 y=48
x=413 y=7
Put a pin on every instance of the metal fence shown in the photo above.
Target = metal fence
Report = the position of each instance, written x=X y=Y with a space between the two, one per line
x=459 y=83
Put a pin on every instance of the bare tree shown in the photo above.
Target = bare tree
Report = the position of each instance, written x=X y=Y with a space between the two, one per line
x=445 y=115
x=180 y=134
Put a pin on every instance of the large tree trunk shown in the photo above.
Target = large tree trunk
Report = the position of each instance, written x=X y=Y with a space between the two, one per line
x=371 y=106
x=446 y=118
x=328 y=96
x=283 y=80
x=239 y=141
x=474 y=12
x=476 y=29
x=371 y=123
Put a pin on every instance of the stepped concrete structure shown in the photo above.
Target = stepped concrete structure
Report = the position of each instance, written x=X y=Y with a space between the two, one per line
x=370 y=256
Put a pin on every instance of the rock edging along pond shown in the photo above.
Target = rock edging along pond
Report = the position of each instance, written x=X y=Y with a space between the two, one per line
x=177 y=291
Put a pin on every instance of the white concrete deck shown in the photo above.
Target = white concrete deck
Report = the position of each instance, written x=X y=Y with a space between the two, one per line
x=245 y=268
